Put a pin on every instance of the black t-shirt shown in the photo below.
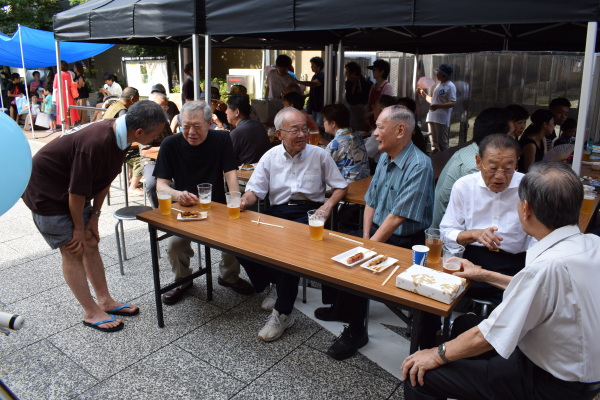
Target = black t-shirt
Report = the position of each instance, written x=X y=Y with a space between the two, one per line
x=187 y=90
x=189 y=165
x=250 y=141
x=83 y=91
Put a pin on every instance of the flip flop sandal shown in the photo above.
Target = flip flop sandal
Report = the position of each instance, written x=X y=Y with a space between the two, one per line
x=117 y=311
x=95 y=325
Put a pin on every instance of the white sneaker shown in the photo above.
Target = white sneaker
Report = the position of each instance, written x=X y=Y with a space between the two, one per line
x=275 y=326
x=269 y=301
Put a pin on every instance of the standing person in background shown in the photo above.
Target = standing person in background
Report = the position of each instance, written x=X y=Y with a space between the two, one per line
x=49 y=108
x=279 y=78
x=559 y=108
x=381 y=71
x=316 y=97
x=13 y=90
x=65 y=80
x=84 y=93
x=440 y=110
x=187 y=89
x=357 y=95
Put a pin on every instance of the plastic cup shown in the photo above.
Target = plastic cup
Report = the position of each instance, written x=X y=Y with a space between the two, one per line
x=587 y=207
x=314 y=137
x=316 y=224
x=164 y=202
x=205 y=195
x=433 y=240
x=233 y=204
x=420 y=254
x=451 y=252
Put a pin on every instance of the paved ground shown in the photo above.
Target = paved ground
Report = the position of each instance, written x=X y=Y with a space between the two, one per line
x=206 y=350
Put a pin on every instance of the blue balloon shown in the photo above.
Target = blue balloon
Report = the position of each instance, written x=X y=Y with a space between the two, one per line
x=15 y=163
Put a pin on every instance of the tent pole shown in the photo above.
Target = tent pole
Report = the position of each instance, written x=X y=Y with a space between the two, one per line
x=584 y=98
x=328 y=73
x=61 y=93
x=180 y=66
x=196 y=63
x=25 y=80
x=207 y=70
x=340 y=73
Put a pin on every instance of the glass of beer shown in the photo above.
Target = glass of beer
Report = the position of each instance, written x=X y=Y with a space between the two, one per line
x=164 y=202
x=316 y=223
x=233 y=204
x=433 y=240
x=313 y=138
x=451 y=252
x=587 y=207
x=205 y=195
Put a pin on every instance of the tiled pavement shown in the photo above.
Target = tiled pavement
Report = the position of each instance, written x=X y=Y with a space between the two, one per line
x=206 y=350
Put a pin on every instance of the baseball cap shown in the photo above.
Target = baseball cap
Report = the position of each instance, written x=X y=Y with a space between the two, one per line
x=444 y=69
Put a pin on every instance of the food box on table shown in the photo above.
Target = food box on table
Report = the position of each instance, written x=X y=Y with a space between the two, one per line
x=428 y=282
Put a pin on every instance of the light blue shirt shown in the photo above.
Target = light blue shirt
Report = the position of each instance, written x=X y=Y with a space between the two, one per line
x=403 y=187
x=348 y=151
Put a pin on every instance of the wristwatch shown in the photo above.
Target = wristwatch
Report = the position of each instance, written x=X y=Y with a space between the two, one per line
x=442 y=352
x=97 y=213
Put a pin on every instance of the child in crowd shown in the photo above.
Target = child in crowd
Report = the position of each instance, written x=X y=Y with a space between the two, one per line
x=49 y=107
x=568 y=129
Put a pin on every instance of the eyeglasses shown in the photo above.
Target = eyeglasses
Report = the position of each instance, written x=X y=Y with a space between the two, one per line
x=188 y=127
x=493 y=170
x=296 y=131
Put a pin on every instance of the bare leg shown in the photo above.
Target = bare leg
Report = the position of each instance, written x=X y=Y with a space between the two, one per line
x=75 y=276
x=94 y=269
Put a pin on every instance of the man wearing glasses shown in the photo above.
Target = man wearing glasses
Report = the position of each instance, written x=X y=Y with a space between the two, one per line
x=482 y=214
x=295 y=176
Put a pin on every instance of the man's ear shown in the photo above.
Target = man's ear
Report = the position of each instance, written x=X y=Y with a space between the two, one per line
x=526 y=209
x=478 y=162
x=401 y=131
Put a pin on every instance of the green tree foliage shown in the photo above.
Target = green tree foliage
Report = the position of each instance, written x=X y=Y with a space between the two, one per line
x=35 y=14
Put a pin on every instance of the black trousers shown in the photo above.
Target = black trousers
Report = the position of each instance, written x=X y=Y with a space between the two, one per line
x=353 y=307
x=497 y=261
x=262 y=276
x=515 y=378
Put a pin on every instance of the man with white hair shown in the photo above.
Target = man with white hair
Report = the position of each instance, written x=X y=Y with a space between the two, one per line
x=198 y=155
x=295 y=175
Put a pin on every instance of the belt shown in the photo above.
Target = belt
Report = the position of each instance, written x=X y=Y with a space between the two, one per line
x=300 y=203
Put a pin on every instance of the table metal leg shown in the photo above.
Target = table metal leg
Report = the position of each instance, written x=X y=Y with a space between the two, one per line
x=208 y=266
x=417 y=316
x=156 y=273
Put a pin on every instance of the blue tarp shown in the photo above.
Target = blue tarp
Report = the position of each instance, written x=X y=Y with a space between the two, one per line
x=40 y=51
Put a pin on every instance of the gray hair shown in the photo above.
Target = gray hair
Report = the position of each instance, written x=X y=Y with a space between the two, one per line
x=403 y=115
x=553 y=192
x=129 y=93
x=280 y=117
x=144 y=115
x=197 y=106
x=154 y=95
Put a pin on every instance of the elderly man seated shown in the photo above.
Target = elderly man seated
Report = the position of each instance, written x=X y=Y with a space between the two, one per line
x=295 y=176
x=481 y=214
x=544 y=331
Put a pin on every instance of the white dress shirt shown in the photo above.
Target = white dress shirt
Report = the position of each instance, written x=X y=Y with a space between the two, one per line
x=551 y=309
x=302 y=177
x=474 y=206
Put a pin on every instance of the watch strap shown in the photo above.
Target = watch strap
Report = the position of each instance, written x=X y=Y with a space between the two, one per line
x=442 y=352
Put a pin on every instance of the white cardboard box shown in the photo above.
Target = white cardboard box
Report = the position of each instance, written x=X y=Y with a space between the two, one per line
x=430 y=283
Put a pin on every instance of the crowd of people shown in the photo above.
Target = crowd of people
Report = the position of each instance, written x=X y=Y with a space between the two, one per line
x=515 y=215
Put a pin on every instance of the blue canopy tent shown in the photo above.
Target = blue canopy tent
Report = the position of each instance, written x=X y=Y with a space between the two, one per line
x=39 y=49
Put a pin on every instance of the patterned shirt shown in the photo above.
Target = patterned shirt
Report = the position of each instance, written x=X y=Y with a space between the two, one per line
x=403 y=187
x=349 y=153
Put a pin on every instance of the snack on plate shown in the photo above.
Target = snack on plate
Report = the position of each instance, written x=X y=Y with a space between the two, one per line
x=356 y=257
x=190 y=214
x=376 y=260
x=247 y=166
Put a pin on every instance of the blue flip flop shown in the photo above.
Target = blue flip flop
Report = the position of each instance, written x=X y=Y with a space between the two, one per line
x=95 y=325
x=117 y=311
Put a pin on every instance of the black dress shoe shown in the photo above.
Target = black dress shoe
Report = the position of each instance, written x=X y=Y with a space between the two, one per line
x=241 y=286
x=347 y=344
x=173 y=296
x=329 y=314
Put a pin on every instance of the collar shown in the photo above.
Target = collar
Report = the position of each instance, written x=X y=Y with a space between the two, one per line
x=550 y=240
x=343 y=131
x=402 y=157
x=121 y=132
x=512 y=185
x=300 y=155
